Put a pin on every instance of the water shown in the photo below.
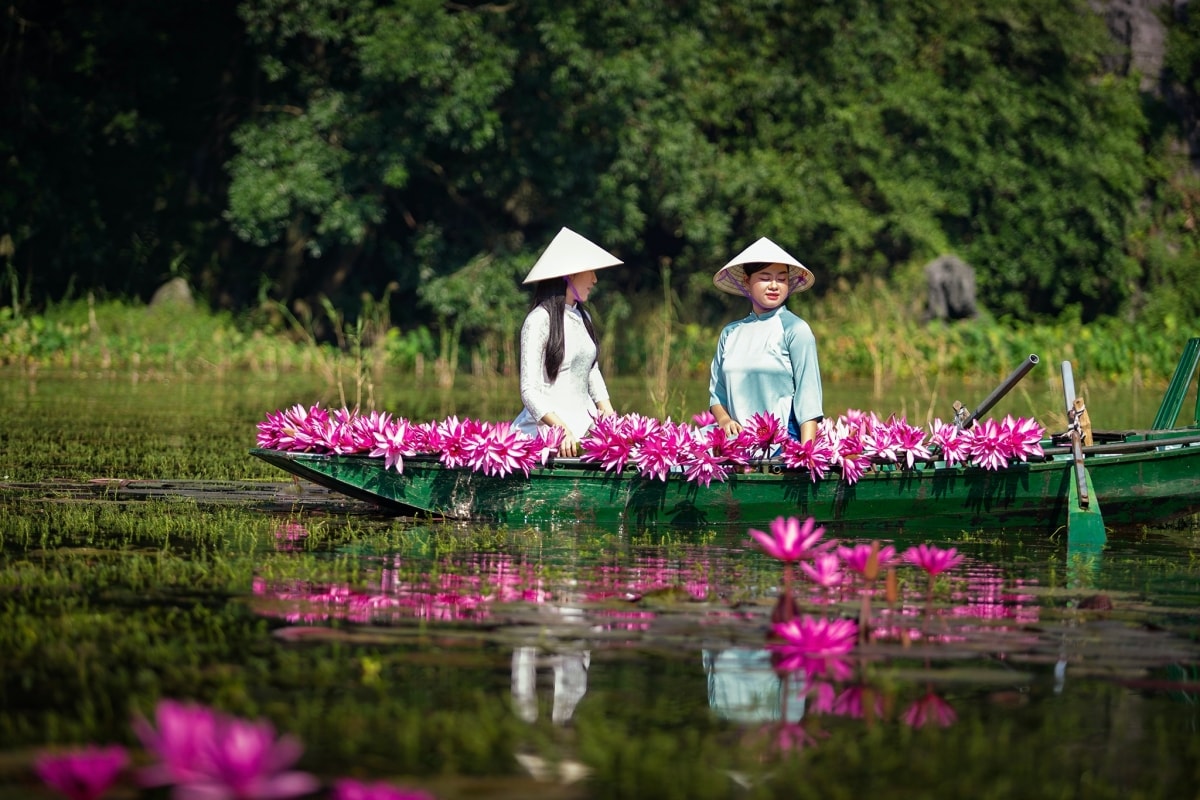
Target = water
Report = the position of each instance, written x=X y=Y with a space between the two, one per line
x=572 y=661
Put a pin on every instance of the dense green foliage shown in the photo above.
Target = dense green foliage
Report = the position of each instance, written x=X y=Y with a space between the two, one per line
x=425 y=151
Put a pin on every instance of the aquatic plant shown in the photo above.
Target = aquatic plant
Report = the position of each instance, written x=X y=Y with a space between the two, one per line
x=206 y=754
x=84 y=773
x=933 y=560
x=792 y=540
x=347 y=789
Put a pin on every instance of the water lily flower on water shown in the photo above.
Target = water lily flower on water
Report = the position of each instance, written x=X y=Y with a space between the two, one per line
x=825 y=569
x=789 y=737
x=347 y=789
x=181 y=742
x=207 y=755
x=816 y=636
x=929 y=709
x=791 y=661
x=792 y=540
x=245 y=761
x=932 y=559
x=82 y=774
x=857 y=557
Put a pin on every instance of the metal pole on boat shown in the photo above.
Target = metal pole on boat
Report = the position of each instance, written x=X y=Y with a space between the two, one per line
x=1004 y=388
x=1085 y=525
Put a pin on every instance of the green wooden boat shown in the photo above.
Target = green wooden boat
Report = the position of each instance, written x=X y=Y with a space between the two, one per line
x=1138 y=477
x=1147 y=477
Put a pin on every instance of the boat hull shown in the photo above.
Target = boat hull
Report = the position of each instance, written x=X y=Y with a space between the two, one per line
x=1153 y=486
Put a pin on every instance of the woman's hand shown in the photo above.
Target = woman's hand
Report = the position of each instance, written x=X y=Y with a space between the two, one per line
x=569 y=446
x=724 y=421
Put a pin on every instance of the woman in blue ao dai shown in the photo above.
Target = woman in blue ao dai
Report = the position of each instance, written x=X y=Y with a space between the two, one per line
x=766 y=361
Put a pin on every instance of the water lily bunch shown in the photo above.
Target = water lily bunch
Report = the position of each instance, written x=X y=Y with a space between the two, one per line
x=851 y=444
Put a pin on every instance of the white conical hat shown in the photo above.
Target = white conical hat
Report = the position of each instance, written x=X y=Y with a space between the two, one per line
x=567 y=254
x=731 y=278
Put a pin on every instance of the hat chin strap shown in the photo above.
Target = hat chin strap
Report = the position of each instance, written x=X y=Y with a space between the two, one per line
x=574 y=291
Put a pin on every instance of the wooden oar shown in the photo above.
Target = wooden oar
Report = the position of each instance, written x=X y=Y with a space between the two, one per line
x=1085 y=525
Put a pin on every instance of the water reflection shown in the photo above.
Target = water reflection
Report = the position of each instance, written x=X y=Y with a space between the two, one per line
x=744 y=687
x=570 y=674
x=556 y=609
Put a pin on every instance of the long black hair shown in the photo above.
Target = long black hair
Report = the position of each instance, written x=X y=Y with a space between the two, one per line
x=551 y=295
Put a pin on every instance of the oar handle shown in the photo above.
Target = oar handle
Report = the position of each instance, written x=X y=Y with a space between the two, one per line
x=1073 y=430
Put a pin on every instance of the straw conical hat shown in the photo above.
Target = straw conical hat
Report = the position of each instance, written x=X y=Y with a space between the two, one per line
x=731 y=278
x=567 y=254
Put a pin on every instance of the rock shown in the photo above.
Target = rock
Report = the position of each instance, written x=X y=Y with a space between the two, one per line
x=174 y=292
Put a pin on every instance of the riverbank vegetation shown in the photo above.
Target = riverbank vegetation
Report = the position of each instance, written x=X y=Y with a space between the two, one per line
x=318 y=167
x=863 y=333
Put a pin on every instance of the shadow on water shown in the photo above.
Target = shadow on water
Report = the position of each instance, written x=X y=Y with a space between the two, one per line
x=571 y=661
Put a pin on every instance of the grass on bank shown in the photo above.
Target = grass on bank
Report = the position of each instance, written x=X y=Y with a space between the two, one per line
x=862 y=333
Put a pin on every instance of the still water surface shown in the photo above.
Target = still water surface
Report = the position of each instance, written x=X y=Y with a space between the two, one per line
x=562 y=662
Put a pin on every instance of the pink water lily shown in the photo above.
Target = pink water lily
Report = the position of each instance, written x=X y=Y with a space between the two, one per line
x=816 y=636
x=702 y=467
x=607 y=445
x=657 y=455
x=180 y=742
x=82 y=774
x=245 y=761
x=856 y=557
x=932 y=559
x=951 y=441
x=824 y=570
x=500 y=449
x=989 y=446
x=792 y=540
x=704 y=419
x=207 y=755
x=1024 y=437
x=347 y=789
x=815 y=455
x=765 y=432
x=814 y=646
x=391 y=440
x=929 y=710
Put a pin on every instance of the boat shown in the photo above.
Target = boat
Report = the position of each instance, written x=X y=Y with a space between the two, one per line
x=1138 y=477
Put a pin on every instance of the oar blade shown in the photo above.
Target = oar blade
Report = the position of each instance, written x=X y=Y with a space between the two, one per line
x=1085 y=526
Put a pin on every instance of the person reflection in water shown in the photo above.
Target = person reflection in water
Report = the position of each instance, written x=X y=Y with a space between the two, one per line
x=743 y=686
x=570 y=682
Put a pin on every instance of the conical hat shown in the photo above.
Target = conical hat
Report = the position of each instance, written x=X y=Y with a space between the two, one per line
x=567 y=254
x=731 y=278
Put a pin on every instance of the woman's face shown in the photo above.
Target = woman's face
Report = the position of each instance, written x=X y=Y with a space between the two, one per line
x=579 y=286
x=768 y=287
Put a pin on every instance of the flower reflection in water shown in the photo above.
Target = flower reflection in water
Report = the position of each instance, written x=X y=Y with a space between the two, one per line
x=811 y=666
